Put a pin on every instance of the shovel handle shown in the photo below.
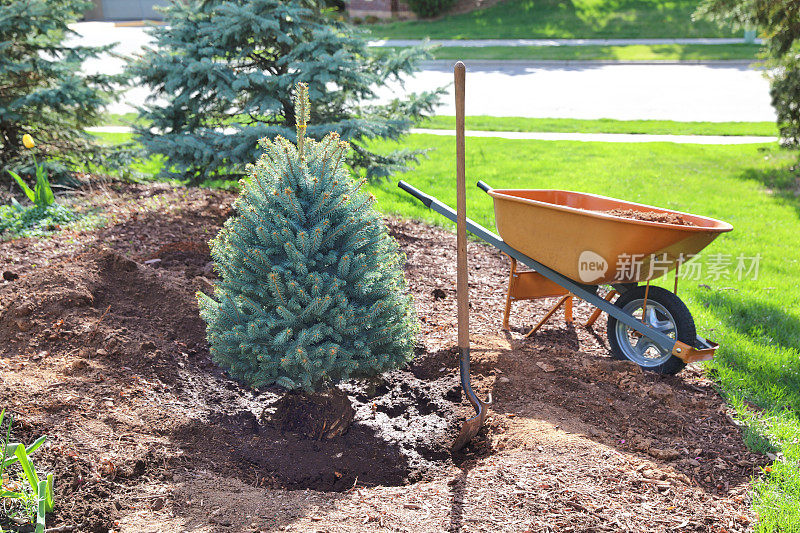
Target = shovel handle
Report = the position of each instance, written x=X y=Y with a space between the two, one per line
x=461 y=214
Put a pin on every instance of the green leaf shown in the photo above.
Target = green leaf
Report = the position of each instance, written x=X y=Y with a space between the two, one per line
x=27 y=467
x=41 y=508
x=3 y=445
x=28 y=192
x=8 y=456
x=18 y=206
x=44 y=194
x=35 y=446
x=11 y=449
x=49 y=500
x=9 y=494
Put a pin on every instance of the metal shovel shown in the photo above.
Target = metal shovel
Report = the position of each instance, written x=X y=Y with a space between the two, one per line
x=473 y=425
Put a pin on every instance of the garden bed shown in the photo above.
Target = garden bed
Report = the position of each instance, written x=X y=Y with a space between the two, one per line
x=101 y=348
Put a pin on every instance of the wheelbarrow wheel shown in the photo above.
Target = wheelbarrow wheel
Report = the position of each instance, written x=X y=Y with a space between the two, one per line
x=664 y=312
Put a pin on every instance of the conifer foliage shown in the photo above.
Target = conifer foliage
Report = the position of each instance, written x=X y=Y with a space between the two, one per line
x=43 y=92
x=222 y=72
x=312 y=289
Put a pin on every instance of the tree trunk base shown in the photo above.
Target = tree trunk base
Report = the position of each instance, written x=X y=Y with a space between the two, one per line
x=318 y=415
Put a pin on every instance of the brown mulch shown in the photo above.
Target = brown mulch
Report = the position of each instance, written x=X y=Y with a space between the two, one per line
x=101 y=349
x=650 y=216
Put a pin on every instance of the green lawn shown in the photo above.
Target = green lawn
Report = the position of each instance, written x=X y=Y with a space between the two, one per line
x=126 y=119
x=528 y=19
x=756 y=321
x=660 y=52
x=605 y=125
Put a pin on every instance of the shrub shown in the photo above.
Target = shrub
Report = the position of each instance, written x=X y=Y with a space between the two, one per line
x=429 y=8
x=784 y=90
x=43 y=91
x=778 y=22
x=223 y=68
x=312 y=288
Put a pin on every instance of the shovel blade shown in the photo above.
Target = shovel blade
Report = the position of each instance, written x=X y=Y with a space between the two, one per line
x=471 y=426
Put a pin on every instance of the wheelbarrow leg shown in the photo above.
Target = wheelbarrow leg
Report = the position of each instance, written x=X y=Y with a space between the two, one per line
x=566 y=299
x=597 y=312
x=473 y=425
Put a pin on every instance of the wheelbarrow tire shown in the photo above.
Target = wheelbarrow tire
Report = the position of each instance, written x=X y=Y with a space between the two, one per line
x=664 y=300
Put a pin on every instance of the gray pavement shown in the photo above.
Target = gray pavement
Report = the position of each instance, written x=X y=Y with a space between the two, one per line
x=684 y=92
x=697 y=92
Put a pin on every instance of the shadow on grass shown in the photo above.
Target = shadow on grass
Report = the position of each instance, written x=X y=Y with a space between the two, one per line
x=767 y=324
x=783 y=183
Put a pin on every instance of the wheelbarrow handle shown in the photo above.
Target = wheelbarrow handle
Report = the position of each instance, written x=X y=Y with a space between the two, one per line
x=416 y=193
x=483 y=186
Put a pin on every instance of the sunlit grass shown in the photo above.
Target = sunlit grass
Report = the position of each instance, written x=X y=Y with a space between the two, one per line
x=638 y=52
x=527 y=19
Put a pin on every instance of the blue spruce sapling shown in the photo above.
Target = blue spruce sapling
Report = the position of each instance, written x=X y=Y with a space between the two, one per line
x=312 y=289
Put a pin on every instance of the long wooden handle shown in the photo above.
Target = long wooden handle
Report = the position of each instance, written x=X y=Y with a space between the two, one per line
x=461 y=209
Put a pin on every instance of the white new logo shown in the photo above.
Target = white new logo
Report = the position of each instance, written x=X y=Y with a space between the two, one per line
x=591 y=266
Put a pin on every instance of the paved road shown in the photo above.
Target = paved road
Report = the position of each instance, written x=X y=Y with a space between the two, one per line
x=696 y=92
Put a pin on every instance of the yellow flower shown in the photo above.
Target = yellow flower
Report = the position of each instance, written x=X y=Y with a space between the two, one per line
x=27 y=141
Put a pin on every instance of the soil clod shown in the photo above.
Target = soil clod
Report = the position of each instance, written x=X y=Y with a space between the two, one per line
x=321 y=415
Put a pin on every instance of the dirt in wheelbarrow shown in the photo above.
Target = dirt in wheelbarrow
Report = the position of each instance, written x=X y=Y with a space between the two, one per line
x=651 y=216
x=101 y=349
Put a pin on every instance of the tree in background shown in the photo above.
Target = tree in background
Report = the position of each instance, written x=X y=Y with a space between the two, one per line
x=43 y=92
x=312 y=287
x=779 y=23
x=222 y=72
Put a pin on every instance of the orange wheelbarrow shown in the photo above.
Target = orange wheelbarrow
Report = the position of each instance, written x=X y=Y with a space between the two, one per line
x=575 y=244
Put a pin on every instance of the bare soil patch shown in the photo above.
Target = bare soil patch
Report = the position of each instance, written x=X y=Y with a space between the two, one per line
x=102 y=349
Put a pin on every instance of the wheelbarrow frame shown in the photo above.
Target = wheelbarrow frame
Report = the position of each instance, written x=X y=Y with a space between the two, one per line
x=702 y=350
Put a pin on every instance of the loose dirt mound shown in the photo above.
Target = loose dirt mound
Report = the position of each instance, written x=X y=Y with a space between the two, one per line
x=650 y=216
x=101 y=348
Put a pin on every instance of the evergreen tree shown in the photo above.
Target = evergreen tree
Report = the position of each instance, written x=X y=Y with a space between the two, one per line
x=312 y=288
x=42 y=90
x=226 y=68
x=779 y=23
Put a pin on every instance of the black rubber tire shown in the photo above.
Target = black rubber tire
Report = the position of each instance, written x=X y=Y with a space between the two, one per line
x=684 y=325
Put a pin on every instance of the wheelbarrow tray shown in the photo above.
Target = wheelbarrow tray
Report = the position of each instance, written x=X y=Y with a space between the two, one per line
x=566 y=230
